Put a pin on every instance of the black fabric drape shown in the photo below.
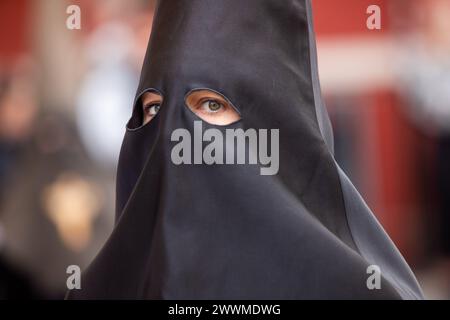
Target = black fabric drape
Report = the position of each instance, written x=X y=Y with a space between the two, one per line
x=225 y=231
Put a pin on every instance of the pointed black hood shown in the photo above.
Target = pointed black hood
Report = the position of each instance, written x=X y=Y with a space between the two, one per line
x=226 y=231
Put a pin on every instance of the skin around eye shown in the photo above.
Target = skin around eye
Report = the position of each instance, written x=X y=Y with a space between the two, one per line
x=212 y=107
x=151 y=103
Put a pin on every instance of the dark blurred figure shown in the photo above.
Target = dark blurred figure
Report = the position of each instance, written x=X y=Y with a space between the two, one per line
x=57 y=158
x=17 y=112
x=15 y=126
x=53 y=214
x=54 y=207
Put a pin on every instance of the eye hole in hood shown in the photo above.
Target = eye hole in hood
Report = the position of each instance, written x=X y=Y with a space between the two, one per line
x=212 y=107
x=146 y=108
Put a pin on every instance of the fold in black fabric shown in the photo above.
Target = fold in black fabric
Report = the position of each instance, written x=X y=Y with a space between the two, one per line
x=226 y=231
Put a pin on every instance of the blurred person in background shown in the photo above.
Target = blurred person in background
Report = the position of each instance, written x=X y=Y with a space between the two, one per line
x=17 y=114
x=54 y=209
x=57 y=160
x=16 y=89
x=48 y=204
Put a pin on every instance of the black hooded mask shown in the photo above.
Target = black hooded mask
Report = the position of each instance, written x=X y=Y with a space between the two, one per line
x=199 y=231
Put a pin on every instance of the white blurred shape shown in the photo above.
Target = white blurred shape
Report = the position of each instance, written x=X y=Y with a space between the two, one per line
x=107 y=93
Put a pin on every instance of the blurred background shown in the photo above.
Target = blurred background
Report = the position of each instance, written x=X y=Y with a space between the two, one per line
x=65 y=96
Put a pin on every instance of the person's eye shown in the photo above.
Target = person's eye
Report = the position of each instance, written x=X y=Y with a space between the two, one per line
x=151 y=104
x=150 y=111
x=212 y=106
